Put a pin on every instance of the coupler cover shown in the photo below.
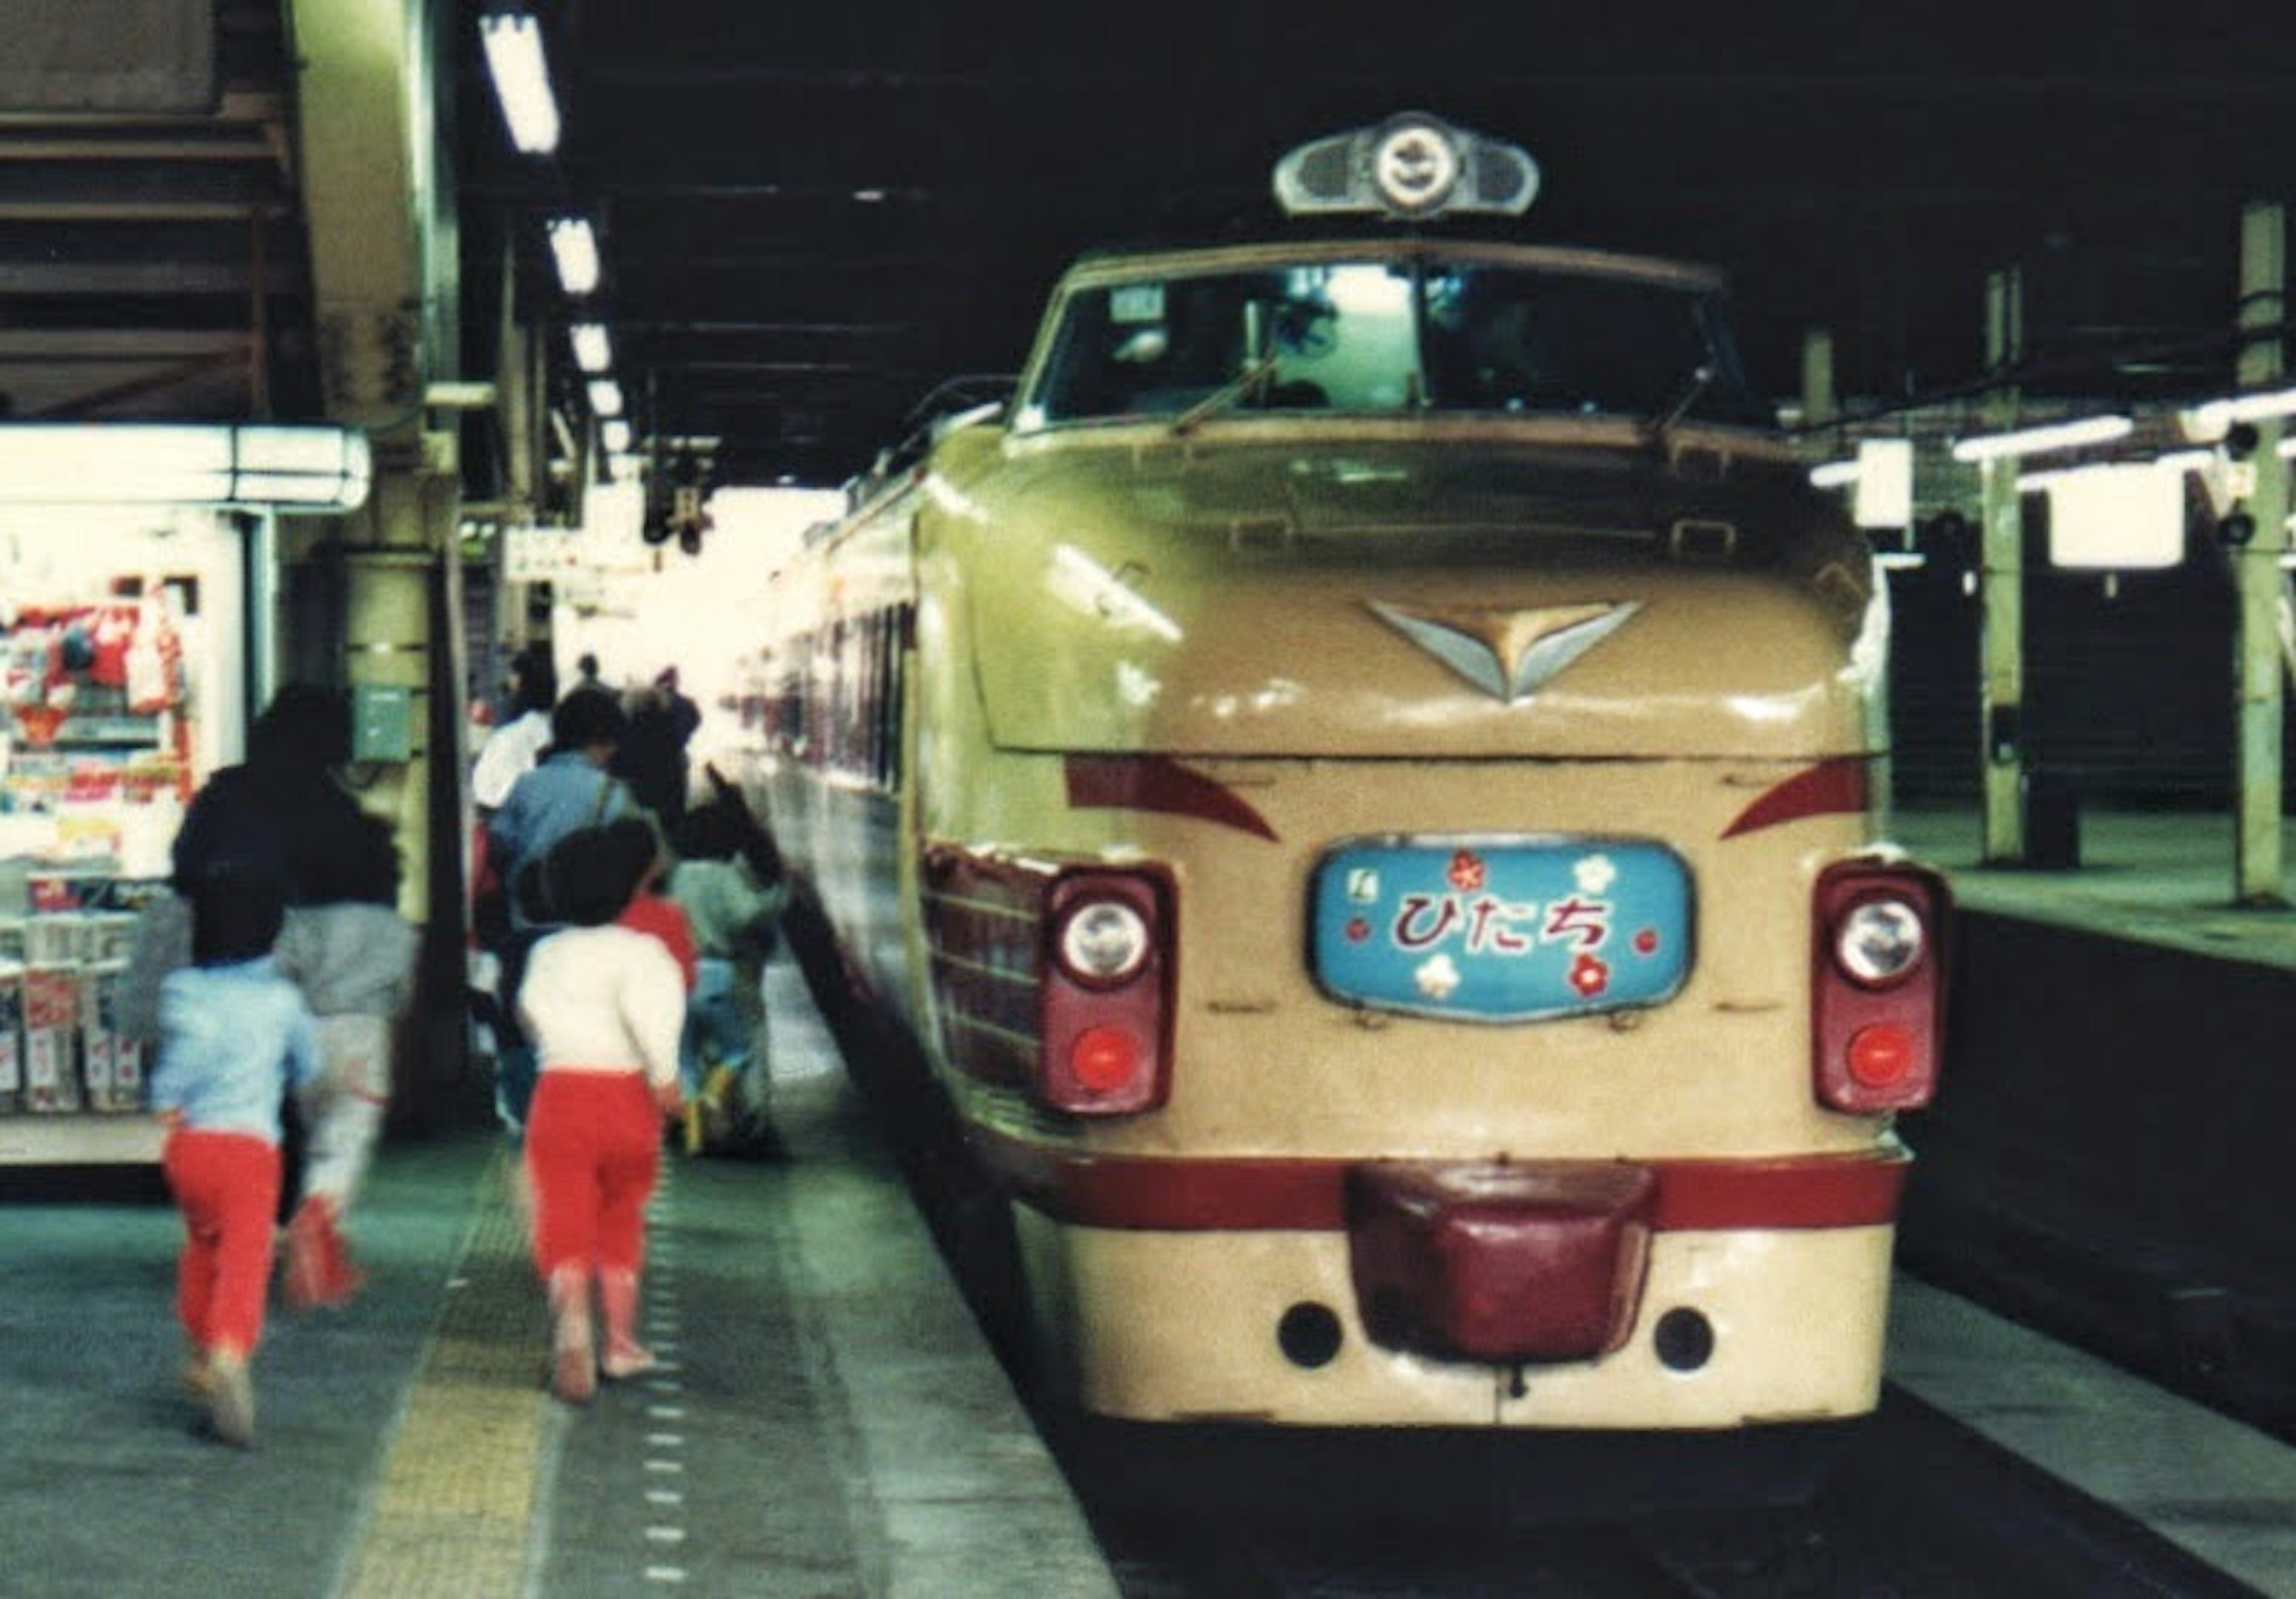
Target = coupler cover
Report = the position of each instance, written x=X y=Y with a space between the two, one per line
x=1500 y=1262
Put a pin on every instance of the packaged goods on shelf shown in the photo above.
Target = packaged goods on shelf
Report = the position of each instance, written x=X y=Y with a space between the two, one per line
x=111 y=1058
x=51 y=1021
x=12 y=1035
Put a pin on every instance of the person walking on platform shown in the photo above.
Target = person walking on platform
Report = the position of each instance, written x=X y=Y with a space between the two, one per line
x=569 y=787
x=511 y=750
x=650 y=910
x=568 y=791
x=283 y=810
x=605 y=1004
x=234 y=1038
x=735 y=917
x=652 y=757
x=353 y=958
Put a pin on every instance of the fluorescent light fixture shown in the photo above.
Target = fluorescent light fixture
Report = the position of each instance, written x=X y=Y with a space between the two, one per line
x=2054 y=436
x=2210 y=421
x=574 y=244
x=453 y=394
x=593 y=347
x=2176 y=463
x=614 y=433
x=1833 y=474
x=167 y=463
x=605 y=396
x=521 y=75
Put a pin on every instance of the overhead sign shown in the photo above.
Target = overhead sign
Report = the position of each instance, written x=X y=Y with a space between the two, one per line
x=2125 y=517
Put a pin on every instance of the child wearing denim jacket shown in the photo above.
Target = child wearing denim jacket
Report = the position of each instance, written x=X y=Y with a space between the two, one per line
x=235 y=1035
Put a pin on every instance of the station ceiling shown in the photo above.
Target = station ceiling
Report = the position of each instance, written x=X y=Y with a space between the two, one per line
x=812 y=215
x=152 y=260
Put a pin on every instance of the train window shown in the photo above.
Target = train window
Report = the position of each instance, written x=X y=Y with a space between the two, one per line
x=1500 y=338
x=1306 y=338
x=1372 y=337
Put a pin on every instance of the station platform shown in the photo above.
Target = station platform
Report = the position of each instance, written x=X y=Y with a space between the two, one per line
x=2161 y=878
x=2115 y=1098
x=826 y=1419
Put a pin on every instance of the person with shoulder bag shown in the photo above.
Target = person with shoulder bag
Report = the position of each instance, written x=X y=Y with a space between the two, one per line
x=569 y=791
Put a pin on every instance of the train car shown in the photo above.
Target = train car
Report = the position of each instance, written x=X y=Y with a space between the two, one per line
x=1362 y=778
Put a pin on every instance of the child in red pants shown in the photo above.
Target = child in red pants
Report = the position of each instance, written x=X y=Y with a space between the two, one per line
x=234 y=1035
x=605 y=1005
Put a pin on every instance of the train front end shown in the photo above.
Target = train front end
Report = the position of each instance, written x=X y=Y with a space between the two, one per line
x=1397 y=773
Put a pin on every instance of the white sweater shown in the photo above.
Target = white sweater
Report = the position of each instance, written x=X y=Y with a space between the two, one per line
x=604 y=999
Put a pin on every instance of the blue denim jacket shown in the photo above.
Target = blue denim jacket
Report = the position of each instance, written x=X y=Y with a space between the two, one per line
x=562 y=795
x=233 y=1039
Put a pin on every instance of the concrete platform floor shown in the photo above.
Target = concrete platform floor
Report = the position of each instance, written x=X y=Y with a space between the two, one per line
x=826 y=1419
x=2154 y=877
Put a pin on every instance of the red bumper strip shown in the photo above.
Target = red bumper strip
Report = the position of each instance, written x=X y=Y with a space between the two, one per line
x=1828 y=787
x=1158 y=782
x=1275 y=1194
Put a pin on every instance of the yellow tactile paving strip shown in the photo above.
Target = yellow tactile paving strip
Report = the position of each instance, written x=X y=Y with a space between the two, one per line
x=455 y=1503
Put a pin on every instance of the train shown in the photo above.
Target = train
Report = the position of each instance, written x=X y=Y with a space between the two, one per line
x=1362 y=776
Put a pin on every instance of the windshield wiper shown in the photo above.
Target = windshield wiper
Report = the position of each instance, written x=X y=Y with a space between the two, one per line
x=1657 y=428
x=1220 y=398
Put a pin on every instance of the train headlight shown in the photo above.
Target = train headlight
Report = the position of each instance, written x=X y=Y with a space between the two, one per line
x=1105 y=1003
x=1877 y=985
x=1104 y=942
x=1879 y=941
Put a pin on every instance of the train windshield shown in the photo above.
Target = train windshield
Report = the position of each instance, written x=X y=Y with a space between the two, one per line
x=1382 y=337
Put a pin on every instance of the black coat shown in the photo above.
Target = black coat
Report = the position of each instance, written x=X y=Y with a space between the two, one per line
x=293 y=820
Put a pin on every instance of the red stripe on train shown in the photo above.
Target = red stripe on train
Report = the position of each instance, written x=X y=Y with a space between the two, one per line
x=1830 y=787
x=1158 y=782
x=1276 y=1194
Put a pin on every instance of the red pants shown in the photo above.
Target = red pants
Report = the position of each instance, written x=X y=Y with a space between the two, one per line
x=227 y=1185
x=593 y=1150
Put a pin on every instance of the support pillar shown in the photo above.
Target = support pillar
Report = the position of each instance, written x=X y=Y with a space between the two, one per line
x=375 y=145
x=1819 y=406
x=2001 y=592
x=2259 y=687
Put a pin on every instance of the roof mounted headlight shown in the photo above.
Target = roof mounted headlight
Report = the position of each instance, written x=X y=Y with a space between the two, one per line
x=1412 y=166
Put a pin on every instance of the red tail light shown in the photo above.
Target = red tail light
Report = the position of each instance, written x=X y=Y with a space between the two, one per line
x=1107 y=994
x=1877 y=985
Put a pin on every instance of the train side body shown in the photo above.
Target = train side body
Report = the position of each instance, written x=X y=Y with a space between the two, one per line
x=1482 y=780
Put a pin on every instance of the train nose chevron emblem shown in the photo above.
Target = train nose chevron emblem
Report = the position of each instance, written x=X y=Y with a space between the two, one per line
x=1508 y=653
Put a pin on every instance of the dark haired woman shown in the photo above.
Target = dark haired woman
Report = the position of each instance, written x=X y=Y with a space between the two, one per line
x=605 y=1005
x=281 y=812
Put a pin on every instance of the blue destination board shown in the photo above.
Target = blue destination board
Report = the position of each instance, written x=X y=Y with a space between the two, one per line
x=1501 y=928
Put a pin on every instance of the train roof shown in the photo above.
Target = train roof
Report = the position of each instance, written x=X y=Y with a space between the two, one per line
x=1115 y=264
